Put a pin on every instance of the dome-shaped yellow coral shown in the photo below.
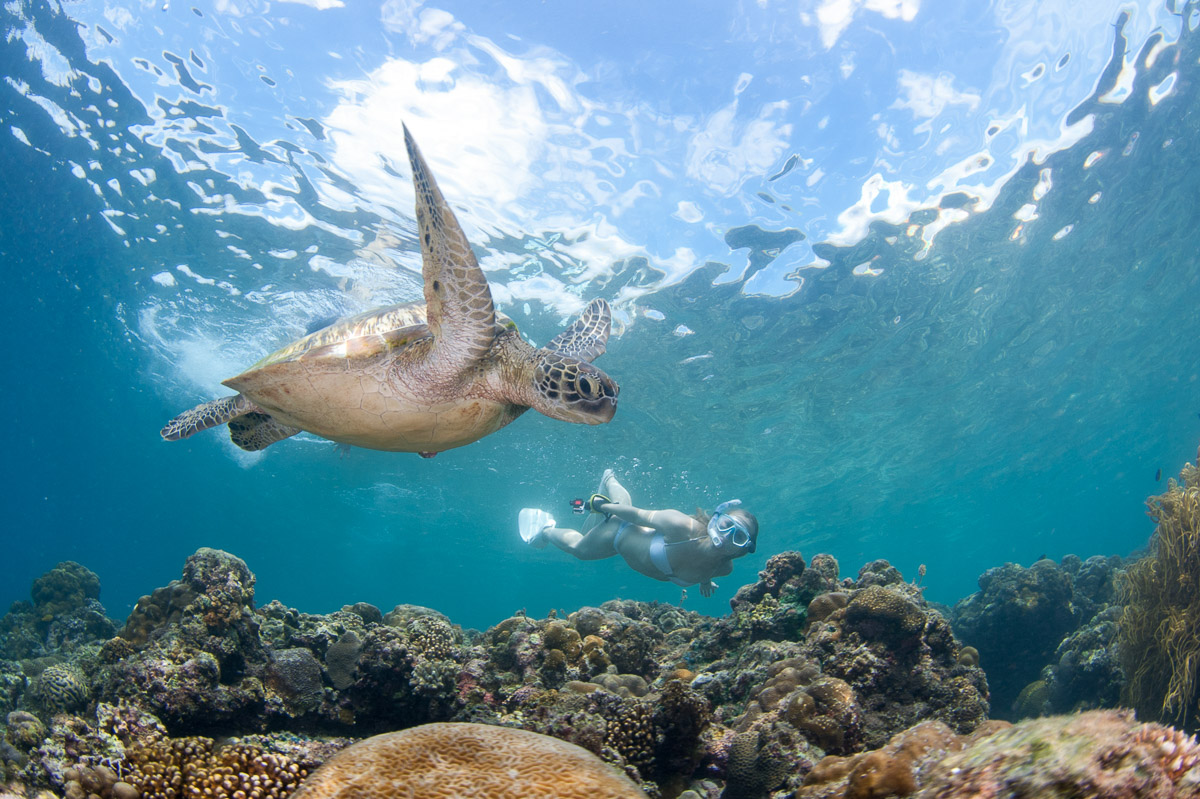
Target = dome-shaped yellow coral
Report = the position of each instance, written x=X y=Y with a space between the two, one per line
x=467 y=761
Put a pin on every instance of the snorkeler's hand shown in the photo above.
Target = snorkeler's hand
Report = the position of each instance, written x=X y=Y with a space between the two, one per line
x=595 y=501
x=707 y=587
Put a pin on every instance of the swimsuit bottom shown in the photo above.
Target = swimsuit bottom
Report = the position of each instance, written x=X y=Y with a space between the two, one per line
x=658 y=553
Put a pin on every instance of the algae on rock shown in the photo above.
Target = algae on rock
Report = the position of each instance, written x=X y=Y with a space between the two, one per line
x=1156 y=633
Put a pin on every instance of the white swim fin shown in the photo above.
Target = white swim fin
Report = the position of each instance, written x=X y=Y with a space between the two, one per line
x=531 y=522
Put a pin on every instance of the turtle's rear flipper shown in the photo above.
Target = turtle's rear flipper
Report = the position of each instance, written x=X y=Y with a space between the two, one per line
x=257 y=430
x=202 y=417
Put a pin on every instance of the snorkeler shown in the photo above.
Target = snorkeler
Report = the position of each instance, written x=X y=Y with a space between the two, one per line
x=667 y=545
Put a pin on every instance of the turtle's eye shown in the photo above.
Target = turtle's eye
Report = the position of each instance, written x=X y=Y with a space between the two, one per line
x=589 y=387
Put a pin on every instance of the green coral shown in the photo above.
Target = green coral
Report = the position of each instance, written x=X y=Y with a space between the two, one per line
x=1160 y=651
x=1033 y=701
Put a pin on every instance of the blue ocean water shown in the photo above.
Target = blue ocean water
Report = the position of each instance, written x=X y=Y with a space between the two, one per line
x=914 y=280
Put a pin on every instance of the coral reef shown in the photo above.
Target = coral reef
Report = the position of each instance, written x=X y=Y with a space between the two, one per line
x=61 y=688
x=1157 y=630
x=1100 y=753
x=1085 y=673
x=901 y=660
x=64 y=616
x=439 y=761
x=896 y=769
x=1048 y=623
x=809 y=670
x=200 y=657
x=199 y=663
x=191 y=768
x=1103 y=754
x=64 y=588
x=771 y=608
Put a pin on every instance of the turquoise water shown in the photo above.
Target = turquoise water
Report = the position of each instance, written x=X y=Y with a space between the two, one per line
x=916 y=284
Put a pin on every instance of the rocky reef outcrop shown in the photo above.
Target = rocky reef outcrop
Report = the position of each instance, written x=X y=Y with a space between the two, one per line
x=813 y=685
x=806 y=664
x=1045 y=635
x=1104 y=754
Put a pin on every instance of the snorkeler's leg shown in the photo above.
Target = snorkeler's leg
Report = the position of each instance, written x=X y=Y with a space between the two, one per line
x=611 y=487
x=531 y=524
x=596 y=544
x=608 y=485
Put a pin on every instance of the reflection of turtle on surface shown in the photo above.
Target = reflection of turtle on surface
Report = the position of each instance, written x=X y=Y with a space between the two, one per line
x=418 y=377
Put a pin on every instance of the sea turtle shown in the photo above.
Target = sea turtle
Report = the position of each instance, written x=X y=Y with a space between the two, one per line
x=417 y=377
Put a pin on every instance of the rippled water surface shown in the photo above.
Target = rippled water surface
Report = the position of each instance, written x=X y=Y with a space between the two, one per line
x=915 y=280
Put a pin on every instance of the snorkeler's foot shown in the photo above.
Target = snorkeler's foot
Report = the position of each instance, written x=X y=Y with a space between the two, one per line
x=532 y=524
x=611 y=487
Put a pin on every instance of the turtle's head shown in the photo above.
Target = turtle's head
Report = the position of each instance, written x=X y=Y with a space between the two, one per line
x=572 y=390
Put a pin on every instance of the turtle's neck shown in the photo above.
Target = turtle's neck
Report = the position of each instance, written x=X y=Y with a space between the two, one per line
x=512 y=379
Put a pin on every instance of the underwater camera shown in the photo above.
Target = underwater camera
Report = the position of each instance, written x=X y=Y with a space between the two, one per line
x=578 y=505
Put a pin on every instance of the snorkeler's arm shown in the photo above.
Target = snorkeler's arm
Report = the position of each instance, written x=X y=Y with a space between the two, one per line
x=626 y=513
x=657 y=519
x=707 y=586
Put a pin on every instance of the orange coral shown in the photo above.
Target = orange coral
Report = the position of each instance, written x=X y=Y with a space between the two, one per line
x=823 y=605
x=894 y=770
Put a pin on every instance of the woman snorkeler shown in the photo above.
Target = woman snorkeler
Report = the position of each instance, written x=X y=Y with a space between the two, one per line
x=668 y=545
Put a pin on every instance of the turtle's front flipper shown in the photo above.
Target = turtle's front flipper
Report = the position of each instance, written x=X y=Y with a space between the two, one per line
x=202 y=417
x=460 y=314
x=257 y=430
x=586 y=339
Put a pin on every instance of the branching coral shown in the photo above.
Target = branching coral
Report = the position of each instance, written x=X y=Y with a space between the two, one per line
x=190 y=768
x=630 y=730
x=431 y=637
x=1159 y=648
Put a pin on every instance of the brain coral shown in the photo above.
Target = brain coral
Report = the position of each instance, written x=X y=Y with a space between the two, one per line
x=61 y=688
x=443 y=760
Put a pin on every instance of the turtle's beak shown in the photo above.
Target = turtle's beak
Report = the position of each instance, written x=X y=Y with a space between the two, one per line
x=605 y=410
x=599 y=410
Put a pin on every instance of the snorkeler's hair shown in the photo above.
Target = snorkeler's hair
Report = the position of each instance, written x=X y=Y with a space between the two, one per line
x=747 y=518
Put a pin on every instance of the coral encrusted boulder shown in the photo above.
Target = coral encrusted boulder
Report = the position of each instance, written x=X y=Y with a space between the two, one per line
x=467 y=761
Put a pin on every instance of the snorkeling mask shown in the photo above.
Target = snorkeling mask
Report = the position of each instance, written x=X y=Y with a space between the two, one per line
x=722 y=528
